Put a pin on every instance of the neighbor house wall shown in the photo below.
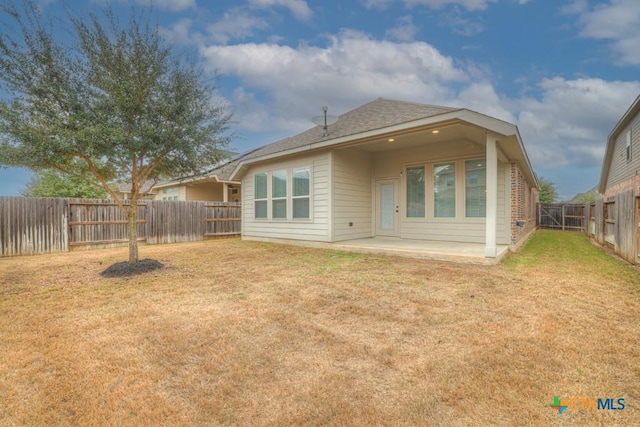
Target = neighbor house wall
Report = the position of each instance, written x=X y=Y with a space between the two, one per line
x=460 y=229
x=206 y=192
x=352 y=194
x=315 y=228
x=622 y=170
x=178 y=192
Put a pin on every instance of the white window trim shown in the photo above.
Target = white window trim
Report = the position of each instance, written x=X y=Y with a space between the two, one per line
x=627 y=146
x=306 y=196
x=286 y=197
x=265 y=199
x=460 y=192
x=289 y=197
x=482 y=218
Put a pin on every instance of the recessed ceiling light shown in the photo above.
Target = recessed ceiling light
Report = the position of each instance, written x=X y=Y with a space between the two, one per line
x=435 y=131
x=391 y=140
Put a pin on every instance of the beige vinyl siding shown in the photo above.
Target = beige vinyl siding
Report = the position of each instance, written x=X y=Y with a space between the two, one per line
x=460 y=228
x=352 y=197
x=621 y=169
x=208 y=192
x=315 y=228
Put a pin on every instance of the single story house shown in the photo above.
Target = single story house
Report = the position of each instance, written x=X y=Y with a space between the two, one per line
x=212 y=186
x=395 y=169
x=620 y=186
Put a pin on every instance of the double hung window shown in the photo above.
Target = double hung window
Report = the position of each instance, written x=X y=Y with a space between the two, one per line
x=283 y=194
x=444 y=190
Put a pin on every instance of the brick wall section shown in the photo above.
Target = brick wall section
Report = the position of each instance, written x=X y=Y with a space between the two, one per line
x=633 y=183
x=523 y=205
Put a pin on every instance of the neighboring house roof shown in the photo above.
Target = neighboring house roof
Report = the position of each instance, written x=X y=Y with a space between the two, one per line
x=579 y=196
x=628 y=116
x=377 y=118
x=125 y=187
x=220 y=172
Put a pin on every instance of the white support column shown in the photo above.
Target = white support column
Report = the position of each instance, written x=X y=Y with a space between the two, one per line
x=492 y=198
x=225 y=192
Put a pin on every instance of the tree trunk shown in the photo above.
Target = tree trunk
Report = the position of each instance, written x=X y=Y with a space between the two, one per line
x=132 y=216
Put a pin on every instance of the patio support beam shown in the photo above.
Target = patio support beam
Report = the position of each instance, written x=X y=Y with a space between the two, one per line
x=490 y=250
x=225 y=192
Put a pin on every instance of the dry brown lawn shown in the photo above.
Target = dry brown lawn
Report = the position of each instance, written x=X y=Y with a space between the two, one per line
x=247 y=333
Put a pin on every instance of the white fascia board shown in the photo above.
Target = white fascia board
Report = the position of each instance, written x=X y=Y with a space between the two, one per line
x=495 y=125
x=178 y=182
x=477 y=119
x=350 y=138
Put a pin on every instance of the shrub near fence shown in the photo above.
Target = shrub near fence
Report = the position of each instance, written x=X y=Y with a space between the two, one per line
x=42 y=225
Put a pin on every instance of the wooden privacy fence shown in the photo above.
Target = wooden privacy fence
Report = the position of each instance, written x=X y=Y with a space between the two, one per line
x=42 y=225
x=561 y=216
x=614 y=222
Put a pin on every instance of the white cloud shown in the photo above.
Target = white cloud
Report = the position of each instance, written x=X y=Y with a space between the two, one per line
x=460 y=25
x=617 y=21
x=569 y=123
x=405 y=30
x=377 y=4
x=564 y=122
x=173 y=5
x=351 y=70
x=299 y=8
x=482 y=97
x=235 y=24
x=575 y=8
x=180 y=33
x=437 y=4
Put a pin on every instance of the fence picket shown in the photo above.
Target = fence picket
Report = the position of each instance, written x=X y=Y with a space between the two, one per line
x=44 y=225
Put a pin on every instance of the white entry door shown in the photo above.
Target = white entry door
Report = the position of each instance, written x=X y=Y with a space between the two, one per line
x=387 y=207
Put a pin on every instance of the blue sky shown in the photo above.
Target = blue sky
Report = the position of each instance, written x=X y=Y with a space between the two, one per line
x=564 y=71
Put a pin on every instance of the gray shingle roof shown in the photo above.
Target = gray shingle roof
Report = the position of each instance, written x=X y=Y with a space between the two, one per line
x=377 y=114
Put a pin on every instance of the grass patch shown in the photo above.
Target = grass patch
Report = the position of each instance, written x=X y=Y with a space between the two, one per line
x=568 y=251
x=251 y=333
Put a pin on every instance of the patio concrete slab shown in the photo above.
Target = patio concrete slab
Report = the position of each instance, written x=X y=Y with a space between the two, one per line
x=428 y=249
x=423 y=249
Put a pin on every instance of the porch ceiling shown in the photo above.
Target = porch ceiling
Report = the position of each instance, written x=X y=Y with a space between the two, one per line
x=458 y=130
x=443 y=133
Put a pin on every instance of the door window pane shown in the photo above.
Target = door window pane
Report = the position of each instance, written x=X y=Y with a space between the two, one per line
x=387 y=200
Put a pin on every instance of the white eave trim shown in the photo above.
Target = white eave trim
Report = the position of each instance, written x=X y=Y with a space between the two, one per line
x=489 y=123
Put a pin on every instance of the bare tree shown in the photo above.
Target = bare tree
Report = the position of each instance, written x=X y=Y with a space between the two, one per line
x=115 y=102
